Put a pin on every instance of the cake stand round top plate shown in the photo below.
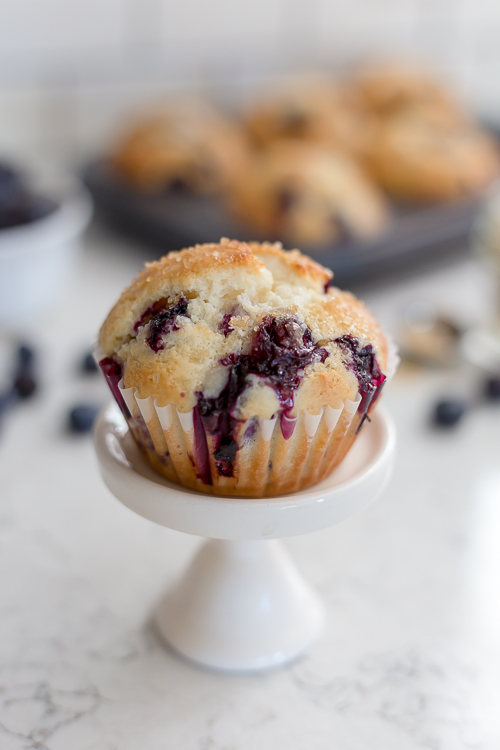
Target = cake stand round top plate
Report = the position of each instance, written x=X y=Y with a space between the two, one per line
x=352 y=486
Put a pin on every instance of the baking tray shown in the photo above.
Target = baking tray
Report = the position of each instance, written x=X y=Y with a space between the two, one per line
x=414 y=237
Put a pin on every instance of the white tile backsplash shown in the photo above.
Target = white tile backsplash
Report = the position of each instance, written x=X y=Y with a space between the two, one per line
x=70 y=70
x=20 y=121
x=219 y=20
x=55 y=27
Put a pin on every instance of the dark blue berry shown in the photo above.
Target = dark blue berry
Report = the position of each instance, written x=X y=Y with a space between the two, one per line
x=82 y=417
x=88 y=364
x=492 y=388
x=25 y=384
x=25 y=356
x=448 y=412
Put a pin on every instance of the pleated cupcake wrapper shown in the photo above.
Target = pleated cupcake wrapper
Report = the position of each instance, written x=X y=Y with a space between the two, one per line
x=275 y=455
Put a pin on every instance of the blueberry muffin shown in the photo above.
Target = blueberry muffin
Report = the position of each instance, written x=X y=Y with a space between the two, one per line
x=302 y=194
x=318 y=110
x=239 y=370
x=185 y=145
x=421 y=160
x=389 y=87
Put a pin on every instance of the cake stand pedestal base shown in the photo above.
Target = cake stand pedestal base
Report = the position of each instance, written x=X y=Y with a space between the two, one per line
x=242 y=605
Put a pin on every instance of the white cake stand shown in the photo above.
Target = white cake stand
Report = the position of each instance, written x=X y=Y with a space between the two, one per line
x=242 y=605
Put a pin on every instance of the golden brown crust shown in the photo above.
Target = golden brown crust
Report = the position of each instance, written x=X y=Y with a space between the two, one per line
x=341 y=314
x=291 y=265
x=187 y=271
x=245 y=283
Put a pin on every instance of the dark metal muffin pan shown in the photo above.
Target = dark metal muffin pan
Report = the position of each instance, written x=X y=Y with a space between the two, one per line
x=415 y=237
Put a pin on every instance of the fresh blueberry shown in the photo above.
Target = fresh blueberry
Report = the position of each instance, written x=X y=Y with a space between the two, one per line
x=88 y=364
x=492 y=388
x=448 y=412
x=82 y=417
x=24 y=383
x=25 y=356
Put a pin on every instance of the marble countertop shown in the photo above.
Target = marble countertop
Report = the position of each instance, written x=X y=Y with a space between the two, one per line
x=410 y=656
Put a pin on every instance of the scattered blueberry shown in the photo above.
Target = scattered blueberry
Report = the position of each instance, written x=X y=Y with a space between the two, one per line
x=25 y=355
x=88 y=364
x=448 y=412
x=24 y=383
x=492 y=388
x=82 y=417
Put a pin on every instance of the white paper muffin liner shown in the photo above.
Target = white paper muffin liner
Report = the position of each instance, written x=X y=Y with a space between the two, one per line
x=275 y=456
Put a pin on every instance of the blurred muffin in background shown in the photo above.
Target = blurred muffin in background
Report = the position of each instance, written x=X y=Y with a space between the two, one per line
x=320 y=110
x=184 y=145
x=388 y=87
x=421 y=145
x=303 y=193
x=414 y=159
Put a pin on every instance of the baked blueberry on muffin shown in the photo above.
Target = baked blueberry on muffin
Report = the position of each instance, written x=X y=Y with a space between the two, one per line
x=301 y=193
x=240 y=372
x=185 y=145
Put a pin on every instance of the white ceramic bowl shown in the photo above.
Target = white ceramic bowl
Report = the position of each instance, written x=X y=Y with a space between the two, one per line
x=36 y=259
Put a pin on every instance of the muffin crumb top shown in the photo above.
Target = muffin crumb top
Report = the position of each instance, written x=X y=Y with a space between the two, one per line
x=187 y=320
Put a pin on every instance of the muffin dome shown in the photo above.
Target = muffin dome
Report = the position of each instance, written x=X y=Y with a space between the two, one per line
x=245 y=359
x=308 y=195
x=416 y=156
x=313 y=109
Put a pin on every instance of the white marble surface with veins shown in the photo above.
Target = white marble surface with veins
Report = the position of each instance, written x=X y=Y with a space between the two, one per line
x=410 y=657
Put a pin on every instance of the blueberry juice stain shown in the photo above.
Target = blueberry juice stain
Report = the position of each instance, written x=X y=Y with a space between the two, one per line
x=113 y=373
x=363 y=363
x=280 y=351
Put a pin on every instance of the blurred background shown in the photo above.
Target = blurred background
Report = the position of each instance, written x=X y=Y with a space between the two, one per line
x=70 y=70
x=406 y=213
